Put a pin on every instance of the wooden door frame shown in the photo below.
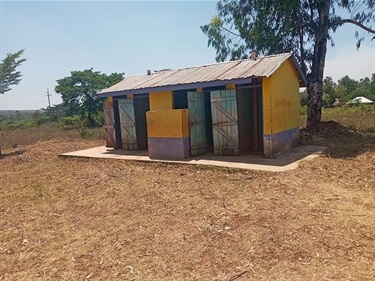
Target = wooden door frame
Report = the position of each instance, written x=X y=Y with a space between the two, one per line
x=202 y=108
x=229 y=138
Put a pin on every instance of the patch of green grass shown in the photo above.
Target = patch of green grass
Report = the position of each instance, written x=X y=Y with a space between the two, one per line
x=359 y=118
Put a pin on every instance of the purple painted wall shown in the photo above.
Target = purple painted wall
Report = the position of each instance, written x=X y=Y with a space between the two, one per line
x=168 y=148
x=276 y=143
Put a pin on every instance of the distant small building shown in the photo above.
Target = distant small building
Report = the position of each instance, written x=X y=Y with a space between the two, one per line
x=359 y=100
x=337 y=103
x=230 y=108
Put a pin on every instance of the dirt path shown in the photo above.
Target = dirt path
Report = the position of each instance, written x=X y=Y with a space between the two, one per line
x=95 y=219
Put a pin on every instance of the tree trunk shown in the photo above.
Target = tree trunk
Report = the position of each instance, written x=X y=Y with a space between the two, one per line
x=314 y=105
x=315 y=79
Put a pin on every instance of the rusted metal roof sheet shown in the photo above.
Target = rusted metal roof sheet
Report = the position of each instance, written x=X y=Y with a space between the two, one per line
x=201 y=76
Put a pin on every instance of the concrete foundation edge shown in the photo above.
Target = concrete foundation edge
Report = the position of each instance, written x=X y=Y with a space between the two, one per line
x=168 y=148
x=279 y=142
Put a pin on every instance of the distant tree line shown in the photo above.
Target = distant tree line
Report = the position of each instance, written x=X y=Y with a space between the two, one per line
x=79 y=94
x=344 y=90
x=80 y=107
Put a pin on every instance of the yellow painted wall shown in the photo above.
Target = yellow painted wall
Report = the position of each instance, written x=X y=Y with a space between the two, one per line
x=267 y=120
x=281 y=99
x=161 y=100
x=172 y=123
x=230 y=86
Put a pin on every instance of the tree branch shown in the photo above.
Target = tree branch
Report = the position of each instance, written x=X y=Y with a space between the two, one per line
x=340 y=22
x=229 y=31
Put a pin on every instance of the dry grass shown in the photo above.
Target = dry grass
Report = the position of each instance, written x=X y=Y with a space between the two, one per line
x=25 y=136
x=79 y=219
x=358 y=118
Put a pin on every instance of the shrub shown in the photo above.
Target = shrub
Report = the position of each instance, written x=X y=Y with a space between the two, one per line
x=86 y=133
x=303 y=110
x=72 y=121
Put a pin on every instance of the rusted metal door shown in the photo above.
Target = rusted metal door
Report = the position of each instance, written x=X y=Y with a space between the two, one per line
x=127 y=124
x=109 y=125
x=197 y=122
x=225 y=122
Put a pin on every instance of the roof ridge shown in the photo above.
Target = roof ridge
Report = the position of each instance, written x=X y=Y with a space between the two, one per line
x=231 y=61
x=211 y=64
x=213 y=74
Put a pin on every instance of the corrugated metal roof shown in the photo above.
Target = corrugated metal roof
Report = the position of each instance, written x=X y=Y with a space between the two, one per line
x=199 y=76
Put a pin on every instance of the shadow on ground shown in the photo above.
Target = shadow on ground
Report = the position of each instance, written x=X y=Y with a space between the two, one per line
x=14 y=153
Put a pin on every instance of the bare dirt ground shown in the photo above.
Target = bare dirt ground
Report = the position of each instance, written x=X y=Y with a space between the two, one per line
x=95 y=219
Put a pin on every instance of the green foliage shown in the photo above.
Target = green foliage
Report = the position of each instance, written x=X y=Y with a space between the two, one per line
x=98 y=119
x=329 y=92
x=86 y=133
x=347 y=89
x=303 y=110
x=71 y=121
x=78 y=92
x=303 y=98
x=243 y=26
x=8 y=71
x=24 y=124
x=17 y=115
x=303 y=27
x=359 y=118
x=56 y=112
x=279 y=26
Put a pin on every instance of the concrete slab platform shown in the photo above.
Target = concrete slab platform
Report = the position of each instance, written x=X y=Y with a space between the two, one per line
x=285 y=161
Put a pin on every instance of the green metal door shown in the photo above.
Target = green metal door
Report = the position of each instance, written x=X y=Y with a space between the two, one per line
x=127 y=124
x=198 y=140
x=225 y=122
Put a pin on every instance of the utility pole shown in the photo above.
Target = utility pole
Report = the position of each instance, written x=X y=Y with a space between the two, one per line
x=48 y=95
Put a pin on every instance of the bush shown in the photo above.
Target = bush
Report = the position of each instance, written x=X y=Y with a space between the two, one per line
x=42 y=119
x=14 y=125
x=86 y=133
x=71 y=121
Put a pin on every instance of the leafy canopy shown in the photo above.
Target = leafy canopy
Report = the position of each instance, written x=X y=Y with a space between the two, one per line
x=271 y=26
x=78 y=91
x=347 y=89
x=8 y=71
x=303 y=27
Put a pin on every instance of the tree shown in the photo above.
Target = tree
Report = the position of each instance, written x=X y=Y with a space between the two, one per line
x=329 y=92
x=372 y=87
x=78 y=92
x=346 y=88
x=364 y=88
x=8 y=71
x=303 y=27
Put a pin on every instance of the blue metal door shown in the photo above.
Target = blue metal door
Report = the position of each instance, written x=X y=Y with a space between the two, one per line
x=127 y=124
x=225 y=122
x=198 y=140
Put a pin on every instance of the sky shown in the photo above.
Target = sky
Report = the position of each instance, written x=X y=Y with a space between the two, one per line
x=126 y=37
